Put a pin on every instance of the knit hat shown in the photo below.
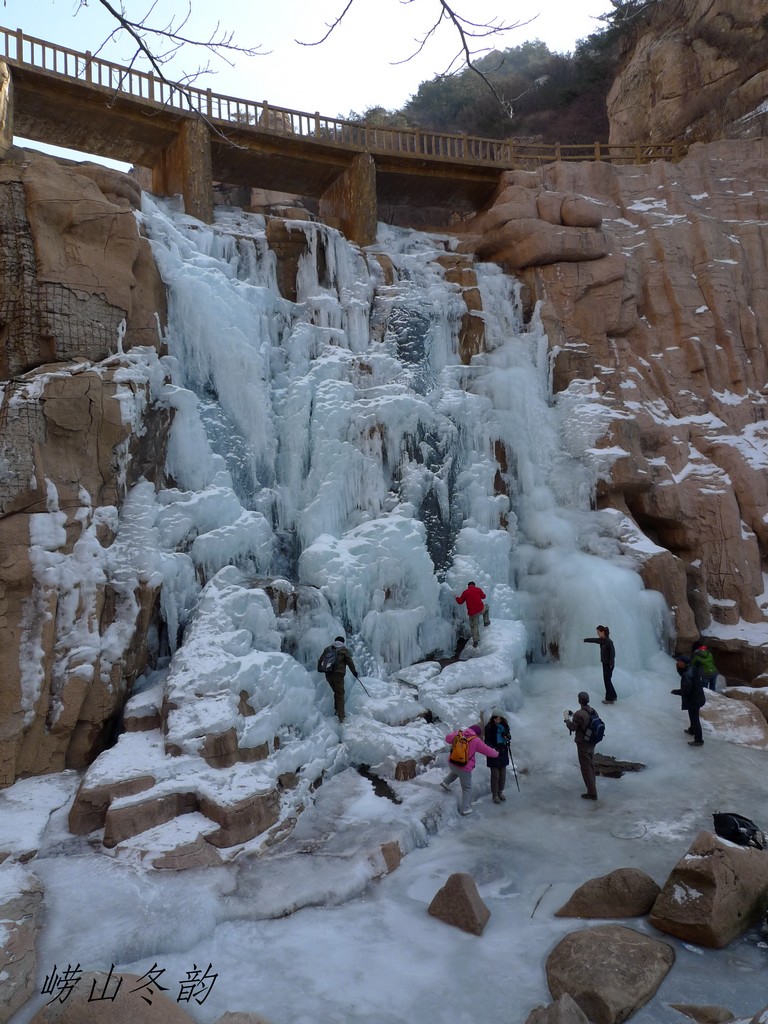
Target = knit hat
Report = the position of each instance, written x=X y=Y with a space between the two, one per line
x=475 y=729
x=583 y=697
x=684 y=658
x=497 y=713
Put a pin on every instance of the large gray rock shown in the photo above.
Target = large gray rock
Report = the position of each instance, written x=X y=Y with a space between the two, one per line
x=610 y=971
x=714 y=893
x=97 y=999
x=21 y=907
x=458 y=903
x=625 y=892
x=564 y=1011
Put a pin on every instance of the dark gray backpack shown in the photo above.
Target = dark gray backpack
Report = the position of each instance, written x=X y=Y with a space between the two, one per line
x=740 y=830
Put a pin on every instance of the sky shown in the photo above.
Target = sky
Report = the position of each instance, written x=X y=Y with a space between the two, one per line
x=355 y=69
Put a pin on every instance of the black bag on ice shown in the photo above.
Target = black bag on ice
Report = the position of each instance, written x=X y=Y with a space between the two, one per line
x=740 y=830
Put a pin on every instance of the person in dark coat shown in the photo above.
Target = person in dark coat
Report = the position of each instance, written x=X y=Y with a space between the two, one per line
x=498 y=735
x=607 y=660
x=692 y=698
x=335 y=676
x=578 y=725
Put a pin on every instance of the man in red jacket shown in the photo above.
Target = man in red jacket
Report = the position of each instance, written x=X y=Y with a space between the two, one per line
x=474 y=599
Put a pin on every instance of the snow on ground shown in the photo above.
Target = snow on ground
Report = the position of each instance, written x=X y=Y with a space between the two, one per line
x=363 y=950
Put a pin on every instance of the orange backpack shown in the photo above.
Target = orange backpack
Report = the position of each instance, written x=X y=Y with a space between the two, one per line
x=460 y=750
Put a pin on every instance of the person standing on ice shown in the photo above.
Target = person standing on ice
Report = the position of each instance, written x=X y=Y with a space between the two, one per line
x=463 y=772
x=579 y=724
x=336 y=670
x=692 y=697
x=497 y=735
x=607 y=660
x=474 y=599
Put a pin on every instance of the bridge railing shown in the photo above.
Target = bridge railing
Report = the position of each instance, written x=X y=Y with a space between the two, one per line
x=232 y=111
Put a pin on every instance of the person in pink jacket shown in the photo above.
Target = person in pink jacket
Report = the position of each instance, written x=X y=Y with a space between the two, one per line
x=464 y=772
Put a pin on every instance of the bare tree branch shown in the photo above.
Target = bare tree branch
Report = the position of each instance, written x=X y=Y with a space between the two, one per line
x=468 y=31
x=146 y=36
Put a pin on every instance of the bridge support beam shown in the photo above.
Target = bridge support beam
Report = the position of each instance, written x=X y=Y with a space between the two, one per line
x=350 y=203
x=6 y=109
x=185 y=168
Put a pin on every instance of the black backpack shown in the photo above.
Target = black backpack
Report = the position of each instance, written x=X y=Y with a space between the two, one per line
x=327 y=661
x=596 y=728
x=739 y=830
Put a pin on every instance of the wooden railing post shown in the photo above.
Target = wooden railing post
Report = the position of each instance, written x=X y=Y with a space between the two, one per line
x=637 y=153
x=265 y=114
x=598 y=155
x=557 y=151
x=317 y=124
x=19 y=46
x=209 y=103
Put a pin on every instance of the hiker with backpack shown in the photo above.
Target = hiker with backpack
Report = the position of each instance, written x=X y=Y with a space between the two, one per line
x=704 y=663
x=607 y=660
x=474 y=599
x=333 y=663
x=465 y=744
x=498 y=735
x=588 y=729
x=692 y=698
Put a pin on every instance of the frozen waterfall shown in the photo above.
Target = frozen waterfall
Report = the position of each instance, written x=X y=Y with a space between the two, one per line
x=339 y=442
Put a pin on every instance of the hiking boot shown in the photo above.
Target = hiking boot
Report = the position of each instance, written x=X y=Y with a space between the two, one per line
x=465 y=813
x=588 y=796
x=609 y=702
x=446 y=787
x=696 y=743
x=502 y=797
x=688 y=732
x=496 y=798
x=474 y=643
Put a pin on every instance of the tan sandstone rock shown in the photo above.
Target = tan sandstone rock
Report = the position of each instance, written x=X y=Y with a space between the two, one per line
x=21 y=914
x=714 y=893
x=704 y=1014
x=739 y=721
x=694 y=70
x=753 y=695
x=625 y=892
x=459 y=903
x=564 y=1011
x=610 y=971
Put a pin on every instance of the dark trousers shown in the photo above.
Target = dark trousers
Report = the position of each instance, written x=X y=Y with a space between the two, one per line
x=587 y=765
x=693 y=717
x=336 y=683
x=610 y=693
x=498 y=779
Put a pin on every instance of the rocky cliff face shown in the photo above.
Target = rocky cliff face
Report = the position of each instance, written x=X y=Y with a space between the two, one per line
x=77 y=282
x=695 y=70
x=657 y=310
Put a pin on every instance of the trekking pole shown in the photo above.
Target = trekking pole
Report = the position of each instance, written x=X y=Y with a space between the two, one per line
x=362 y=684
x=514 y=770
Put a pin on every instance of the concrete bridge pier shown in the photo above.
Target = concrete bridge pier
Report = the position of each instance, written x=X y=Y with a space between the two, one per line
x=350 y=204
x=185 y=168
x=6 y=109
